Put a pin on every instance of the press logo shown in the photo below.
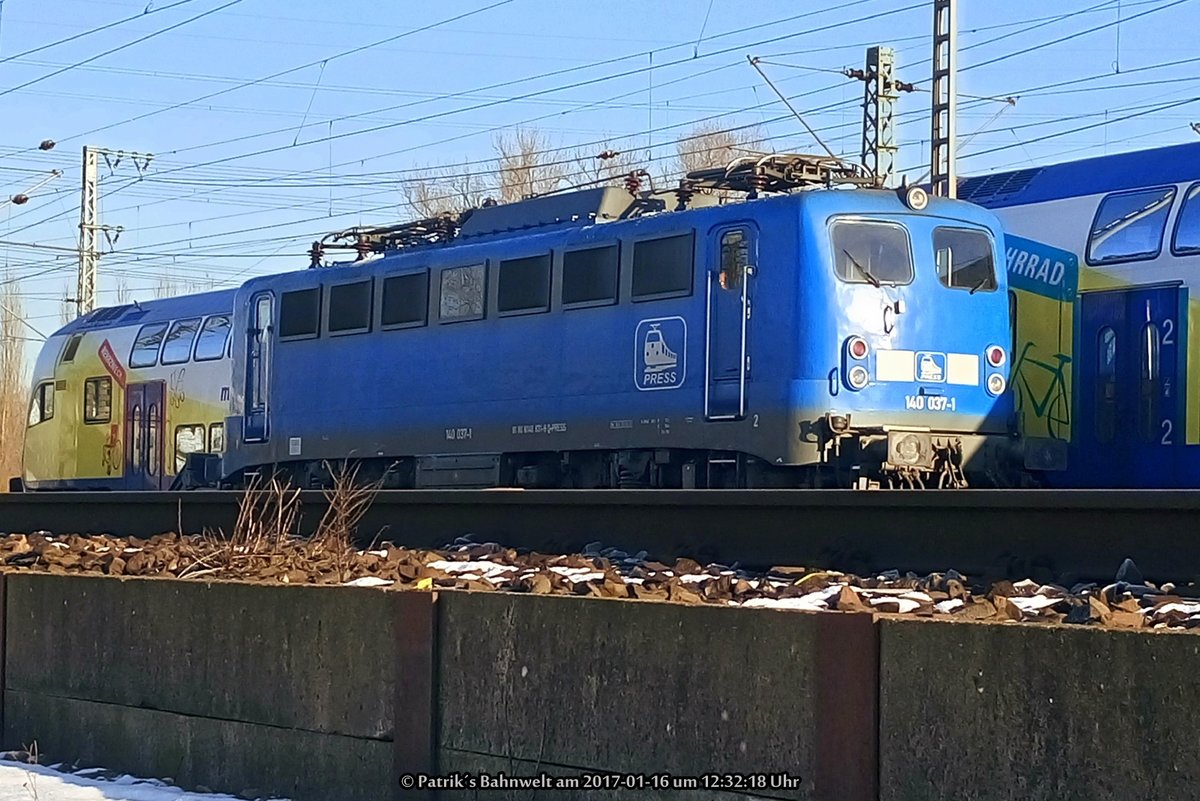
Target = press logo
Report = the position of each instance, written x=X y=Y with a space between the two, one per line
x=660 y=353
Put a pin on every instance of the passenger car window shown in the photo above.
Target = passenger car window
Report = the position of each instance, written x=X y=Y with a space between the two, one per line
x=1187 y=227
x=405 y=300
x=1106 y=385
x=213 y=335
x=1150 y=390
x=524 y=285
x=71 y=349
x=97 y=400
x=462 y=293
x=177 y=347
x=145 y=347
x=663 y=267
x=300 y=313
x=964 y=259
x=590 y=276
x=871 y=252
x=1130 y=226
x=216 y=438
x=188 y=439
x=42 y=408
x=350 y=307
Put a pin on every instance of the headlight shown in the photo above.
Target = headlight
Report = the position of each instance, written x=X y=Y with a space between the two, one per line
x=995 y=383
x=858 y=376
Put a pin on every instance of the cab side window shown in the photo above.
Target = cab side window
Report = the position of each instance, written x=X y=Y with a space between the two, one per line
x=42 y=408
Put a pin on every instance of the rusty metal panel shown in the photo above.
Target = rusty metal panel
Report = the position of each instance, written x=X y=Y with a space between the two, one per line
x=415 y=725
x=847 y=707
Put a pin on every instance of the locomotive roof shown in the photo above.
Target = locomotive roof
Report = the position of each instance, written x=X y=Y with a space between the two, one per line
x=152 y=311
x=1091 y=176
x=765 y=210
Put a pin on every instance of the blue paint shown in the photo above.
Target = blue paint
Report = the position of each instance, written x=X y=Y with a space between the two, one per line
x=1041 y=269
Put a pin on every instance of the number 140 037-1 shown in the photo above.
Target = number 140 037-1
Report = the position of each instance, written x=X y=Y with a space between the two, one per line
x=932 y=403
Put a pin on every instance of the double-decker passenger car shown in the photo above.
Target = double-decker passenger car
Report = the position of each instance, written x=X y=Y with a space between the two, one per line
x=827 y=337
x=1103 y=255
x=123 y=394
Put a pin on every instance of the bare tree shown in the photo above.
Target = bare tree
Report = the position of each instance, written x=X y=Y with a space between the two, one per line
x=13 y=392
x=710 y=145
x=69 y=308
x=522 y=166
x=124 y=296
x=439 y=190
x=167 y=286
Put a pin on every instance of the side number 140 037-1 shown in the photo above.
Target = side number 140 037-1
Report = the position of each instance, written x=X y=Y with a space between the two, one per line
x=933 y=403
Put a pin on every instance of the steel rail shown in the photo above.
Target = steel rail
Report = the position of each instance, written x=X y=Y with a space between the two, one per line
x=1038 y=533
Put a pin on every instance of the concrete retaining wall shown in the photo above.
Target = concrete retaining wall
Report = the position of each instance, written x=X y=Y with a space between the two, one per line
x=1026 y=713
x=331 y=693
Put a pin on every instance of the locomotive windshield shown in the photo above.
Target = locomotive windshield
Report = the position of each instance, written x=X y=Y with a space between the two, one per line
x=871 y=252
x=964 y=259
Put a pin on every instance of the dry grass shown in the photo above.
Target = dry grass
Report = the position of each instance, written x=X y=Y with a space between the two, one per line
x=348 y=500
x=267 y=530
x=13 y=390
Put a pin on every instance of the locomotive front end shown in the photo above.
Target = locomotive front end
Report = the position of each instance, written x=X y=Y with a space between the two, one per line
x=916 y=372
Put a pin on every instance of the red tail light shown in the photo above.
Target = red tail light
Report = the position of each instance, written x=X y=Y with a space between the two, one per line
x=995 y=355
x=857 y=348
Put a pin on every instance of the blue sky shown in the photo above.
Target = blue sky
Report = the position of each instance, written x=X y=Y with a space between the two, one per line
x=242 y=182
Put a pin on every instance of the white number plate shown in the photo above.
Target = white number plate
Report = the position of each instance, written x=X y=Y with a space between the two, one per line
x=932 y=403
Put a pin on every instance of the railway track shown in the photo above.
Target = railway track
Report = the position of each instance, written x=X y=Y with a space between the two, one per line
x=1065 y=535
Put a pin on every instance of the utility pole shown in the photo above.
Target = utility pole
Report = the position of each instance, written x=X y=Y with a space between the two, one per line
x=945 y=103
x=89 y=218
x=881 y=90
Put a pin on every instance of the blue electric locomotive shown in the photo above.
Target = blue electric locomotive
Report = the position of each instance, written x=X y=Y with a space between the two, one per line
x=826 y=337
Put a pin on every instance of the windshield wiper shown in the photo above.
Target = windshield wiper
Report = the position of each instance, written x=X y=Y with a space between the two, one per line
x=865 y=274
x=979 y=285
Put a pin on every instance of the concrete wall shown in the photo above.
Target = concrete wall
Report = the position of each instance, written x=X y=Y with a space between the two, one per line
x=1025 y=713
x=332 y=693
x=564 y=685
x=225 y=685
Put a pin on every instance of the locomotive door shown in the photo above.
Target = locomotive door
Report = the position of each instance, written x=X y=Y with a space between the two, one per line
x=255 y=426
x=143 y=435
x=732 y=258
x=1130 y=387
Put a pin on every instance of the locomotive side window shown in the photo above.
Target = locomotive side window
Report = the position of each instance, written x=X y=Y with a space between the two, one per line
x=1130 y=226
x=1187 y=227
x=145 y=347
x=405 y=300
x=735 y=257
x=188 y=439
x=1106 y=385
x=213 y=335
x=524 y=285
x=663 y=267
x=590 y=276
x=463 y=291
x=871 y=252
x=349 y=308
x=964 y=259
x=97 y=400
x=300 y=313
x=177 y=347
x=42 y=408
x=1150 y=387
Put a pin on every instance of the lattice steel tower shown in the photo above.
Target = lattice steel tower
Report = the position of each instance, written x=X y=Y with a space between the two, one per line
x=880 y=94
x=944 y=91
